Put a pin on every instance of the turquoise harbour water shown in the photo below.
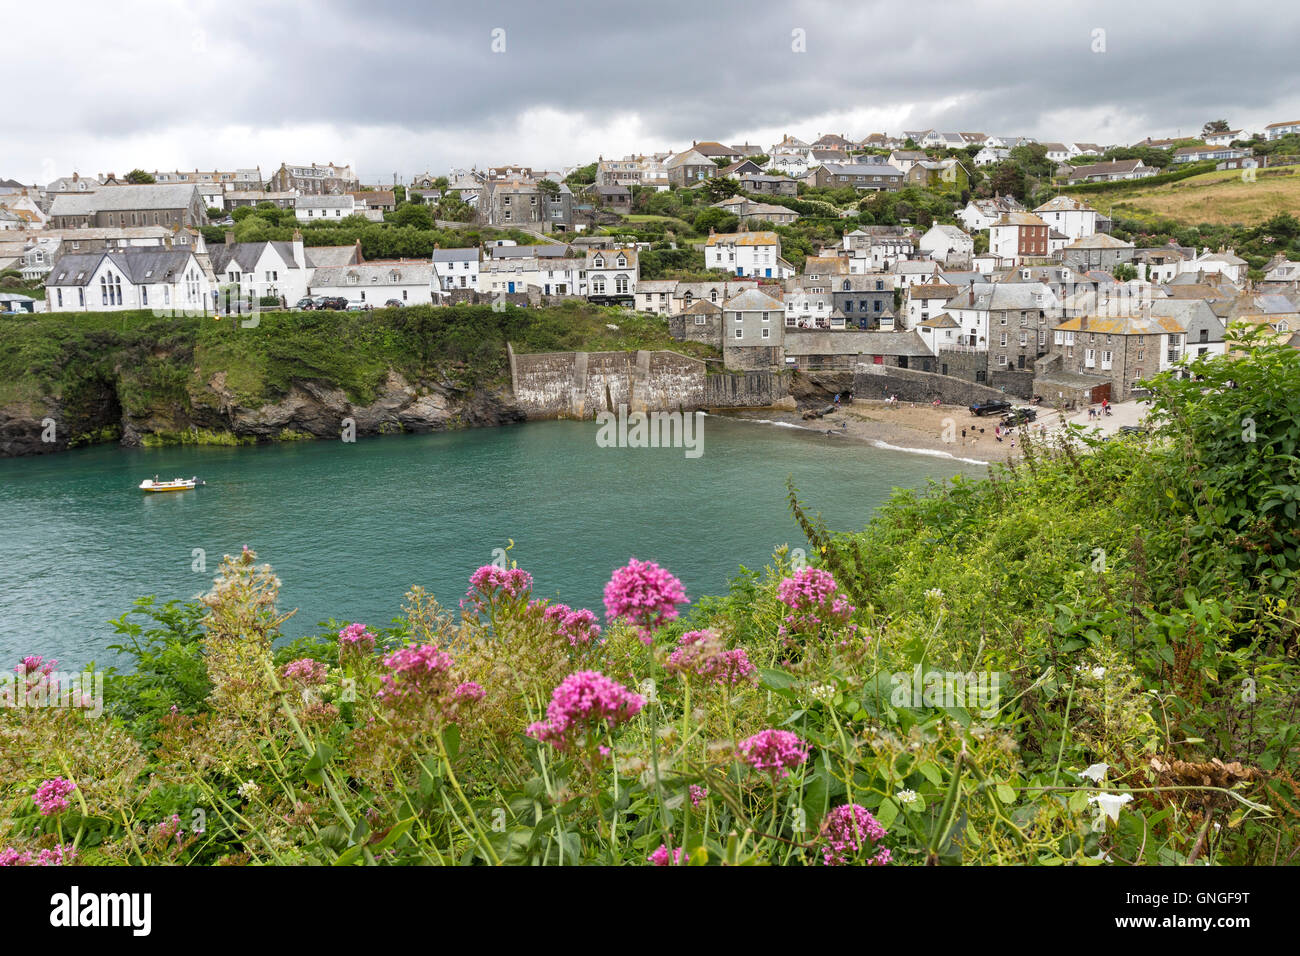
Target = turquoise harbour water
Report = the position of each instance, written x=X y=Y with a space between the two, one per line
x=350 y=527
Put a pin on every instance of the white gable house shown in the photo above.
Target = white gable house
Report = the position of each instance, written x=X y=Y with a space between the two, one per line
x=158 y=279
x=456 y=268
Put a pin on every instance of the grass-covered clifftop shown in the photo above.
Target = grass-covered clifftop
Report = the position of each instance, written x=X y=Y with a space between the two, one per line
x=95 y=370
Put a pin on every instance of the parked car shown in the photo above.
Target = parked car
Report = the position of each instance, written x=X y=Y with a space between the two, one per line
x=990 y=407
x=1132 y=430
x=356 y=307
x=306 y=304
x=335 y=302
x=1019 y=416
x=394 y=304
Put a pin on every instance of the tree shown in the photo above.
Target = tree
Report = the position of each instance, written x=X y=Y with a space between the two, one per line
x=720 y=188
x=1124 y=272
x=716 y=219
x=1214 y=126
x=215 y=213
x=1008 y=179
x=139 y=177
x=413 y=215
x=582 y=176
x=550 y=187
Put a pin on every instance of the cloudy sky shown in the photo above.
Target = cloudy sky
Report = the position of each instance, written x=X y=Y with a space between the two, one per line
x=404 y=86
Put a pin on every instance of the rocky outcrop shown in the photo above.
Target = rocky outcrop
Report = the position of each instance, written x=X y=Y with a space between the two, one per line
x=308 y=408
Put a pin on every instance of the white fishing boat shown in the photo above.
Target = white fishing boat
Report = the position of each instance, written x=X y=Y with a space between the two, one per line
x=175 y=484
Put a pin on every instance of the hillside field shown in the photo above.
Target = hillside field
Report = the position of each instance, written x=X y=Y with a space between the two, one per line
x=1221 y=198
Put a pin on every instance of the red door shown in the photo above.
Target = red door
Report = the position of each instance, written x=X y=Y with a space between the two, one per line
x=877 y=360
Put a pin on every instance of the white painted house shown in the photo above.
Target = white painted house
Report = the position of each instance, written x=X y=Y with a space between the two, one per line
x=374 y=284
x=160 y=279
x=317 y=208
x=1070 y=217
x=612 y=273
x=250 y=271
x=456 y=268
x=947 y=244
x=755 y=254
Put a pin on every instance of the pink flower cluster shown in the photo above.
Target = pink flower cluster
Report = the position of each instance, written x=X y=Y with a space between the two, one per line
x=34 y=663
x=355 y=638
x=491 y=583
x=581 y=705
x=51 y=797
x=578 y=627
x=698 y=794
x=469 y=691
x=846 y=831
x=814 y=600
x=700 y=654
x=774 y=752
x=169 y=829
x=305 y=671
x=415 y=672
x=59 y=856
x=661 y=856
x=644 y=594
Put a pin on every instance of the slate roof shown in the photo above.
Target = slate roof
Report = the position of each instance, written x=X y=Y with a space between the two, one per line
x=117 y=198
x=140 y=266
x=751 y=300
x=246 y=254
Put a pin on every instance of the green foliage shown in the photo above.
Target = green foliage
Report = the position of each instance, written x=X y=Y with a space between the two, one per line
x=582 y=176
x=139 y=177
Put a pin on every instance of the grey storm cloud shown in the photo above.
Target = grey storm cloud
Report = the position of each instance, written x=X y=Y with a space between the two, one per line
x=681 y=69
x=698 y=69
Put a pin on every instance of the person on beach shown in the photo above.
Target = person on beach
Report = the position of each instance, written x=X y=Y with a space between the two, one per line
x=963 y=436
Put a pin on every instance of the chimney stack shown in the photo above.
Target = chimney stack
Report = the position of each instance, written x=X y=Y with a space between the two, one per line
x=230 y=237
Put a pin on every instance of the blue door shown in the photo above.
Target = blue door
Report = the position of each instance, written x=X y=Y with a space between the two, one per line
x=512 y=287
x=767 y=274
x=740 y=271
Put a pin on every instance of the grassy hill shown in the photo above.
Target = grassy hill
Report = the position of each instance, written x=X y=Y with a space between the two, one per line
x=1221 y=198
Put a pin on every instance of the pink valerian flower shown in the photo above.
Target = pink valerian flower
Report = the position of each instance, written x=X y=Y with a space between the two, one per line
x=491 y=584
x=662 y=857
x=578 y=627
x=582 y=705
x=700 y=654
x=62 y=855
x=33 y=663
x=415 y=672
x=356 y=639
x=848 y=830
x=698 y=794
x=305 y=671
x=169 y=829
x=51 y=797
x=814 y=601
x=644 y=594
x=774 y=752
x=469 y=691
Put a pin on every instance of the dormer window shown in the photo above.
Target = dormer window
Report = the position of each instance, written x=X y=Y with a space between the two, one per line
x=598 y=262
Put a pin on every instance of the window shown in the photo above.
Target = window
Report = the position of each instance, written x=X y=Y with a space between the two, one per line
x=1003 y=342
x=144 y=295
x=81 y=294
x=767 y=333
x=700 y=320
x=59 y=293
x=1089 y=358
x=740 y=333
x=1106 y=359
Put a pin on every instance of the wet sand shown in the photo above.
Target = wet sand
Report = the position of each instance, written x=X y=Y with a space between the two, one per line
x=928 y=429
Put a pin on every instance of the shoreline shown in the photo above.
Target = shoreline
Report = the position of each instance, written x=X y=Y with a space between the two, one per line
x=910 y=428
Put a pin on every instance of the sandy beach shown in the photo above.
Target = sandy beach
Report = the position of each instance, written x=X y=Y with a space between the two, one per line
x=942 y=430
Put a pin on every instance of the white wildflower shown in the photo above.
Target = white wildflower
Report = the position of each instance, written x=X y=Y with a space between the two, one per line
x=1096 y=773
x=907 y=797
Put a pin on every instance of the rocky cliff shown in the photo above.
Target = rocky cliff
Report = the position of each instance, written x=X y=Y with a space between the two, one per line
x=211 y=412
